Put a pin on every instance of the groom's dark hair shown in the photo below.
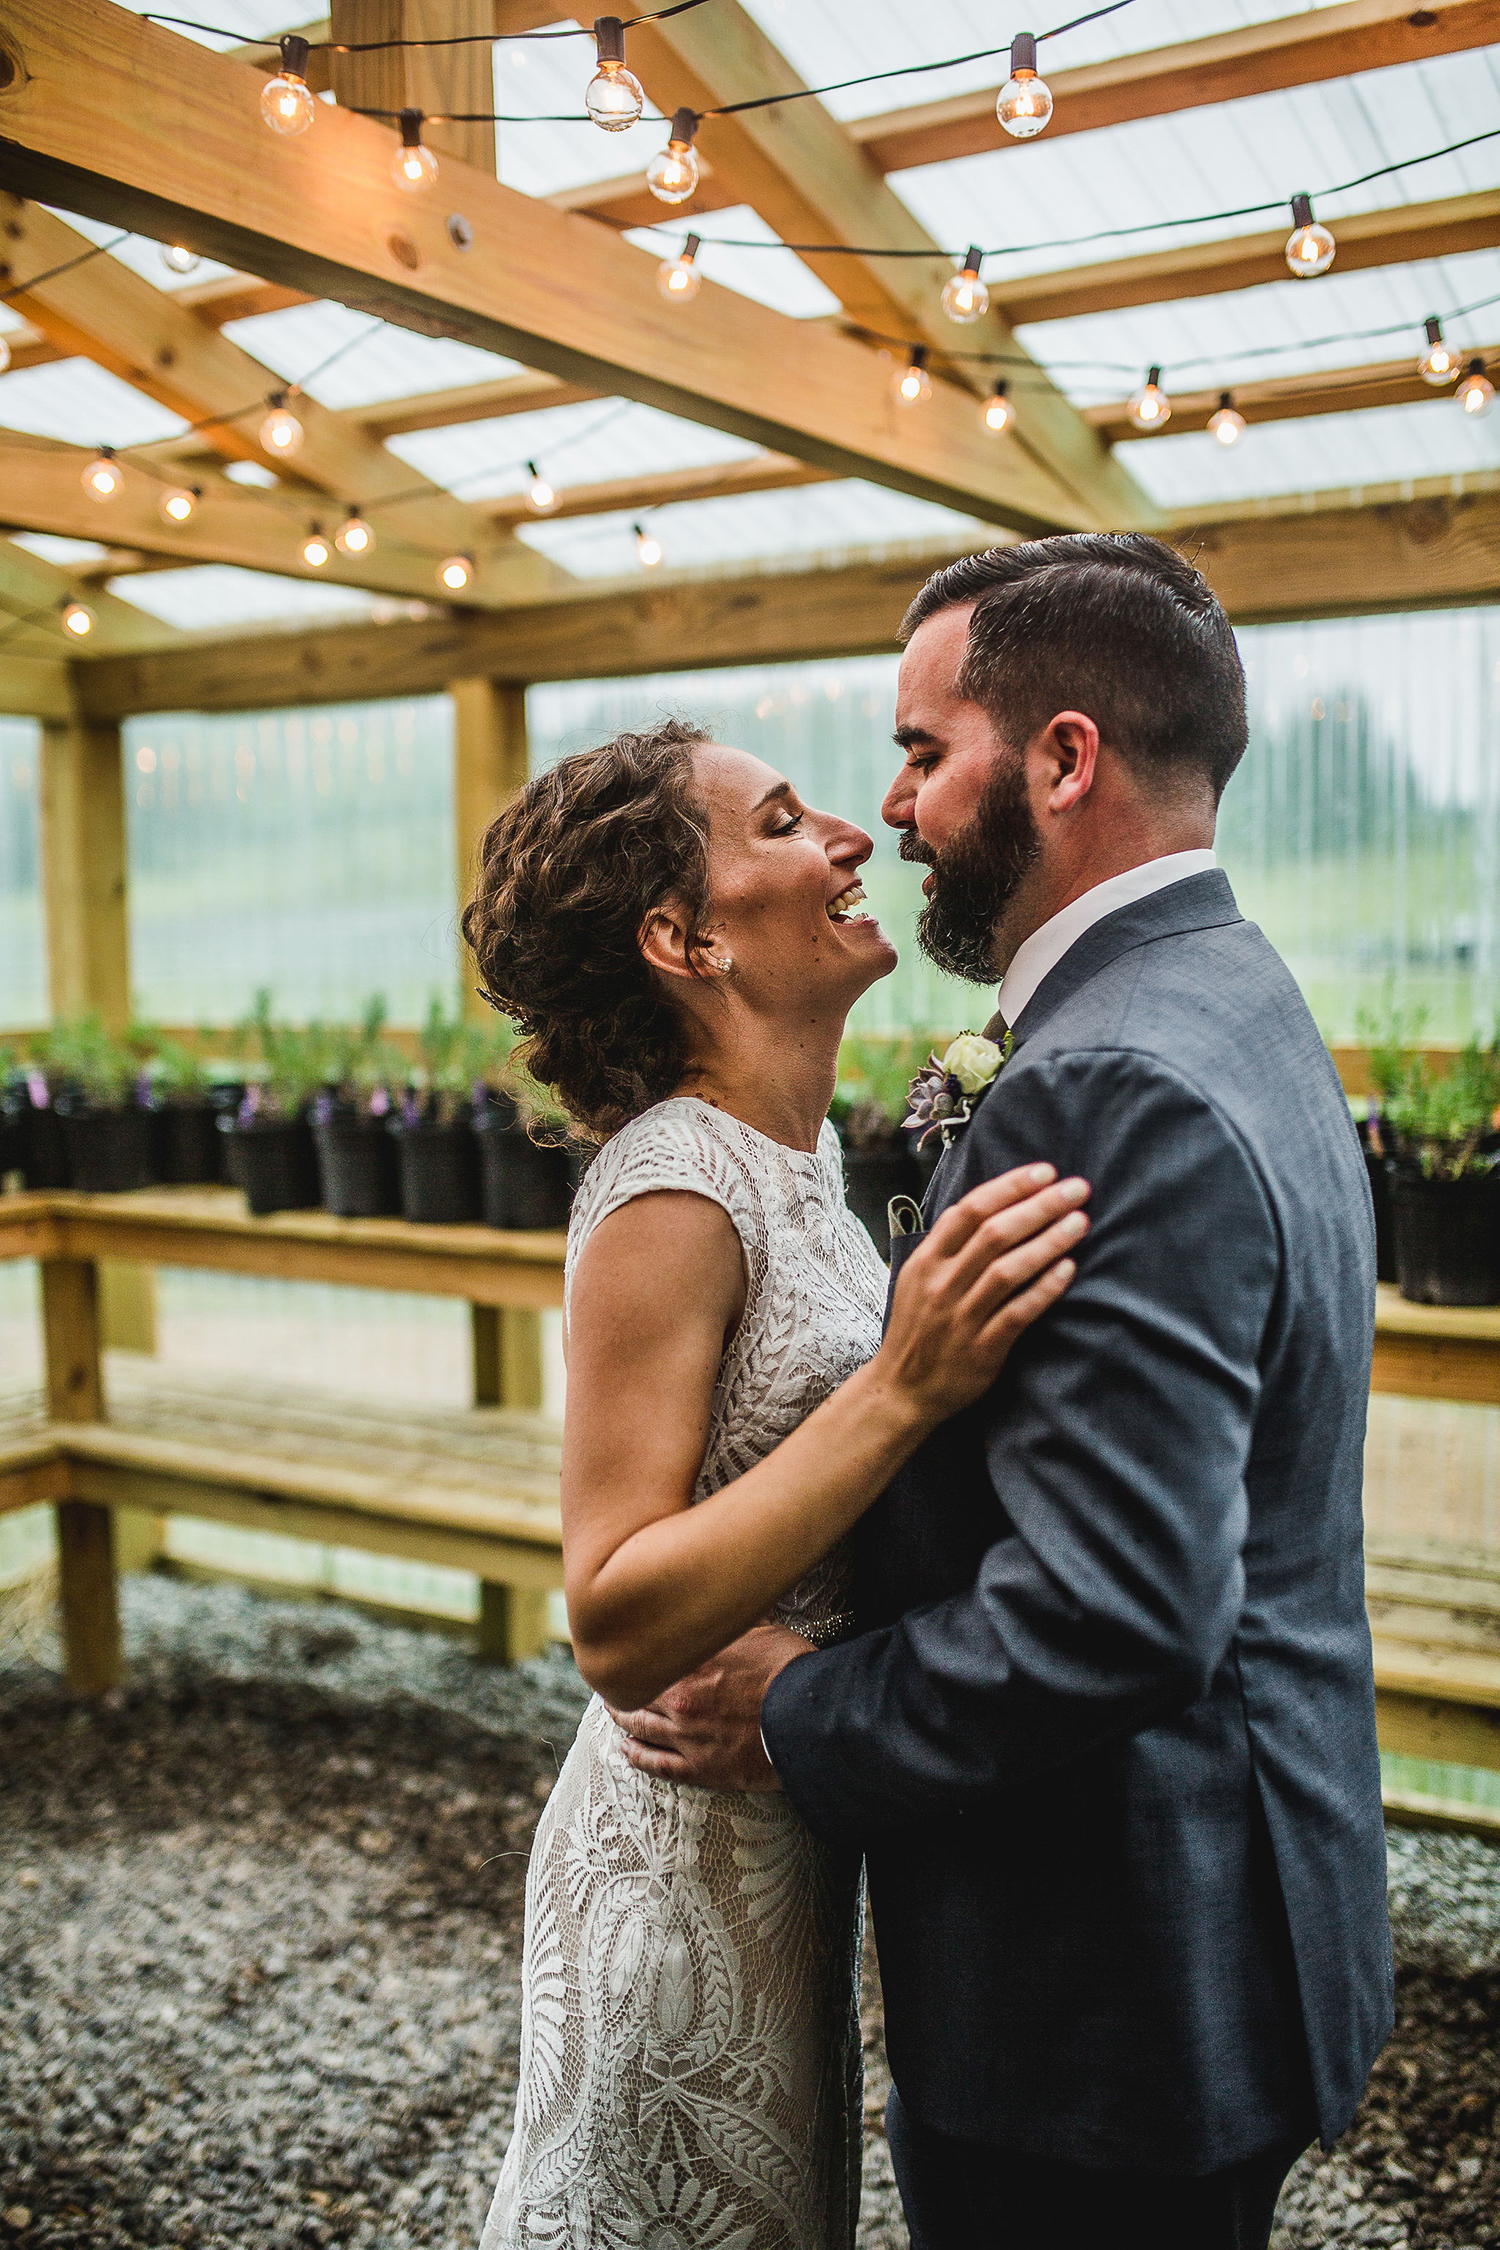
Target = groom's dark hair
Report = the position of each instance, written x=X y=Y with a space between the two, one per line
x=1112 y=623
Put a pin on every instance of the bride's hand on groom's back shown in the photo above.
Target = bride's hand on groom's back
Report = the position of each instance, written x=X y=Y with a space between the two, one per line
x=993 y=1264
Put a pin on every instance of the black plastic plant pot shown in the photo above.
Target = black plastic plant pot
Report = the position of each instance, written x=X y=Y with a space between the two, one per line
x=528 y=1185
x=439 y=1174
x=187 y=1144
x=1385 y=1231
x=44 y=1149
x=110 y=1151
x=1447 y=1239
x=274 y=1161
x=871 y=1177
x=360 y=1168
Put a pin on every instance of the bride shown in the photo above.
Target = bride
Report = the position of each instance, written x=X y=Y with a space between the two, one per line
x=681 y=940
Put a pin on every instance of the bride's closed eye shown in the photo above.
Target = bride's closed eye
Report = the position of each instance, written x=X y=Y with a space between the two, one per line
x=793 y=823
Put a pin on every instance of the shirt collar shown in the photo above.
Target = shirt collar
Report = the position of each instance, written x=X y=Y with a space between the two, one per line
x=1039 y=954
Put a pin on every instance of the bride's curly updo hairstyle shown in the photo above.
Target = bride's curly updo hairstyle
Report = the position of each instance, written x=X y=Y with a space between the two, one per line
x=568 y=873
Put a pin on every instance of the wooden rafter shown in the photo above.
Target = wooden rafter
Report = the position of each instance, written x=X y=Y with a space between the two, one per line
x=29 y=583
x=1339 y=390
x=796 y=166
x=110 y=315
x=1410 y=232
x=1261 y=58
x=41 y=489
x=469 y=402
x=1348 y=501
x=763 y=472
x=1428 y=553
x=322 y=213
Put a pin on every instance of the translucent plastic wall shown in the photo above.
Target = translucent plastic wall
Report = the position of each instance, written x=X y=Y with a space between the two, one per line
x=312 y=851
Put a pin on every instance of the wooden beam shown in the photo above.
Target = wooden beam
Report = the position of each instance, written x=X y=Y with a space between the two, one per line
x=1281 y=563
x=238 y=296
x=467 y=402
x=28 y=582
x=83 y=868
x=110 y=315
x=1403 y=236
x=1260 y=58
x=628 y=202
x=798 y=167
x=1426 y=554
x=1341 y=390
x=118 y=118
x=431 y=79
x=33 y=687
x=764 y=472
x=1401 y=492
x=41 y=490
x=28 y=346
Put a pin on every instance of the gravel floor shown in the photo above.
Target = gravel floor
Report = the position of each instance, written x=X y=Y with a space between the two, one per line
x=260 y=1925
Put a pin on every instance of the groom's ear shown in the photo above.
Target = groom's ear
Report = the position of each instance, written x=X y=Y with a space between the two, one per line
x=663 y=940
x=1069 y=757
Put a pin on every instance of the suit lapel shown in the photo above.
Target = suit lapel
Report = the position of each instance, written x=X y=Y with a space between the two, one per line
x=1198 y=902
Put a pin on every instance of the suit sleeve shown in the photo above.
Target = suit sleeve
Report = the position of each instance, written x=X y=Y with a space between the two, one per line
x=1115 y=1448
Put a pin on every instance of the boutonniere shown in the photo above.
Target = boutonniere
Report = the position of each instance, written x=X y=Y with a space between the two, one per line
x=943 y=1096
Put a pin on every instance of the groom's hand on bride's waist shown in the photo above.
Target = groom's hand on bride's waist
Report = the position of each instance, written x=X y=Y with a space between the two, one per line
x=705 y=1731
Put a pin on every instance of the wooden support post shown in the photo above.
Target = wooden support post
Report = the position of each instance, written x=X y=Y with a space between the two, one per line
x=507 y=1356
x=85 y=1531
x=512 y=1623
x=489 y=766
x=127 y=1306
x=83 y=869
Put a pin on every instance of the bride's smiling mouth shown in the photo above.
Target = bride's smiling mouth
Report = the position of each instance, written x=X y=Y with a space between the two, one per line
x=844 y=908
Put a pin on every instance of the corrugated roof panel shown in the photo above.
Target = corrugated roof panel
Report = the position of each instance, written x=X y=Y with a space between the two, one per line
x=74 y=400
x=1382 y=446
x=378 y=360
x=588 y=443
x=773 y=276
x=214 y=595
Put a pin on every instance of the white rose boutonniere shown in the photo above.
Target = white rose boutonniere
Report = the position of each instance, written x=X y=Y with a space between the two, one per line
x=944 y=1095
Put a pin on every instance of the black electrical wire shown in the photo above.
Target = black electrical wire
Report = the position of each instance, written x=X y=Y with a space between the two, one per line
x=19 y=288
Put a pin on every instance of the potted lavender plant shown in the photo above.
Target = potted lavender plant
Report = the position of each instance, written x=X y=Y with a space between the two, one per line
x=105 y=1106
x=531 y=1167
x=1445 y=1184
x=433 y=1124
x=39 y=1147
x=269 y=1138
x=189 y=1099
x=352 y=1119
x=1391 y=1039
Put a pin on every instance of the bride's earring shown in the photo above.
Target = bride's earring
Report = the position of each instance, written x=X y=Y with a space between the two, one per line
x=721 y=962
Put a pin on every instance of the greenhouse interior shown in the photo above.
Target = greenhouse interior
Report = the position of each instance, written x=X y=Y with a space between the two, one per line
x=394 y=409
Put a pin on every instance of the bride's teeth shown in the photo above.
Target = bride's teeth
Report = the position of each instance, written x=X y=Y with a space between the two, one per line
x=841 y=907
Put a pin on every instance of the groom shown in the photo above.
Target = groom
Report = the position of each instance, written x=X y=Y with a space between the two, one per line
x=1107 y=1735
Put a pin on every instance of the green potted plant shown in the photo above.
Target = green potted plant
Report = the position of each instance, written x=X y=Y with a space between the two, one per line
x=1445 y=1183
x=12 y=1091
x=105 y=1108
x=352 y=1117
x=189 y=1096
x=269 y=1137
x=1391 y=1039
x=38 y=1143
x=434 y=1125
x=531 y=1165
x=869 y=1111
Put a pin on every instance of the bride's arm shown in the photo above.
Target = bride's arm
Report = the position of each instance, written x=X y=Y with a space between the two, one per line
x=656 y=1586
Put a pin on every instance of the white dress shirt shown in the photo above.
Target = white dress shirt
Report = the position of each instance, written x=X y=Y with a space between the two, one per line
x=1037 y=955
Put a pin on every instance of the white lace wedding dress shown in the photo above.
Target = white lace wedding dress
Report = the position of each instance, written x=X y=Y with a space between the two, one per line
x=690 y=2052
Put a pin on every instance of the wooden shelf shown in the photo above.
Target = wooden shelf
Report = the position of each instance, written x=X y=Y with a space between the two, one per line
x=1436 y=1351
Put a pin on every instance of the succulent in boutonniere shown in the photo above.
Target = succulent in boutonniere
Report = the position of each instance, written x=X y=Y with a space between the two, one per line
x=945 y=1094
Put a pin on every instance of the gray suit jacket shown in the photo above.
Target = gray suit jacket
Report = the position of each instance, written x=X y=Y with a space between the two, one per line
x=1108 y=1740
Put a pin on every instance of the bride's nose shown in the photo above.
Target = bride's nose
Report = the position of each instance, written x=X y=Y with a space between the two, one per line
x=847 y=845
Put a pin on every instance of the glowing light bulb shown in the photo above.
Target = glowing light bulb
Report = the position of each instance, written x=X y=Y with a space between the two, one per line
x=1228 y=424
x=77 y=620
x=912 y=385
x=613 y=98
x=1150 y=409
x=413 y=167
x=1024 y=103
x=177 y=505
x=280 y=432
x=4 y=354
x=1438 y=364
x=678 y=279
x=1310 y=249
x=1476 y=393
x=997 y=413
x=354 y=536
x=316 y=550
x=102 y=479
x=672 y=174
x=177 y=258
x=539 y=493
x=286 y=101
x=965 y=297
x=647 y=549
x=455 y=573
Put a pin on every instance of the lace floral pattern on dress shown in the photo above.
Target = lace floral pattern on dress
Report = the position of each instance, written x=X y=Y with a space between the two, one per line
x=690 y=2055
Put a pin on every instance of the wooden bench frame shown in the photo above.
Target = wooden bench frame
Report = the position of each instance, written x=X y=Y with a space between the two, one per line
x=85 y=1469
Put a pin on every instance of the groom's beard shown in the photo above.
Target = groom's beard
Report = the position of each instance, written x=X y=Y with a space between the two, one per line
x=976 y=875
